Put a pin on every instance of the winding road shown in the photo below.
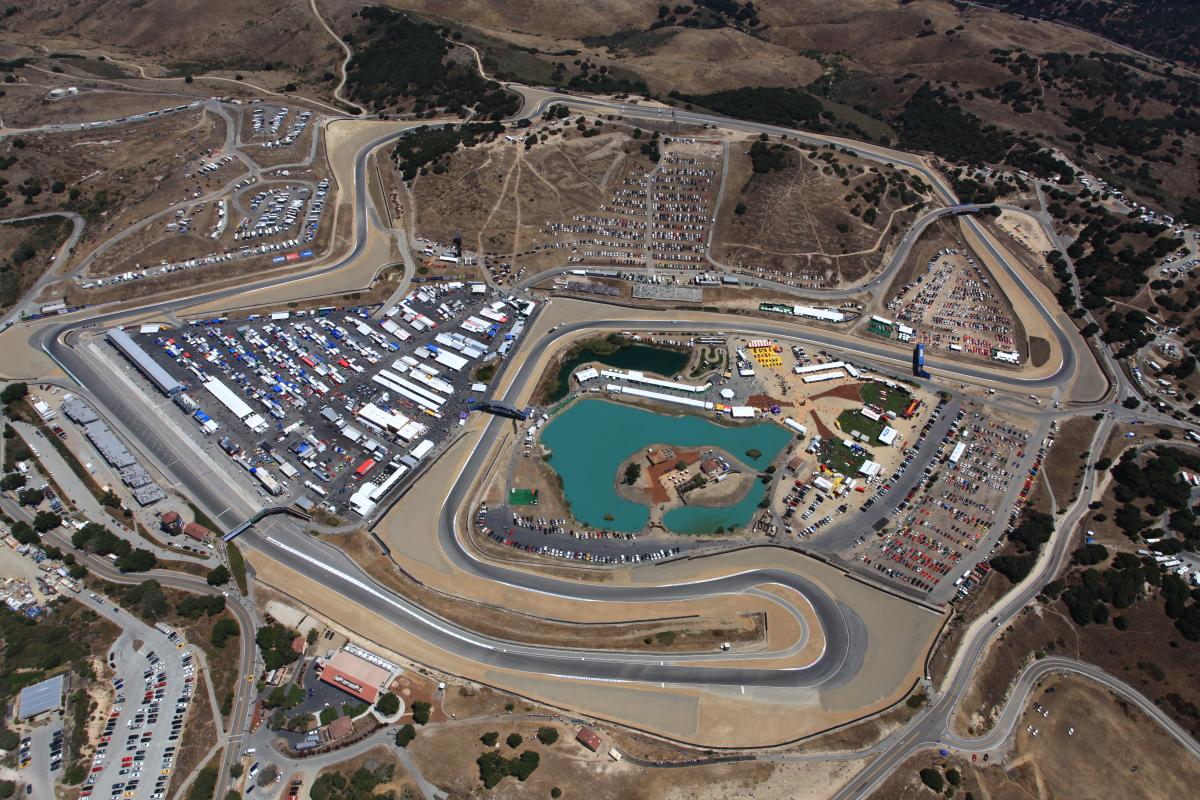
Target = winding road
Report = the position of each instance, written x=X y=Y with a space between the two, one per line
x=845 y=635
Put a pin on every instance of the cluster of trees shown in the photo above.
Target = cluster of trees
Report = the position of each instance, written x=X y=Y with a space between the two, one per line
x=360 y=785
x=288 y=698
x=1165 y=28
x=405 y=734
x=932 y=120
x=428 y=146
x=777 y=105
x=387 y=704
x=403 y=59
x=275 y=643
x=195 y=606
x=97 y=539
x=495 y=767
x=1157 y=481
x=218 y=575
x=768 y=157
x=147 y=599
x=25 y=533
x=13 y=393
x=1091 y=591
x=223 y=630
x=709 y=14
x=30 y=649
x=1031 y=533
x=936 y=779
x=204 y=785
x=1111 y=255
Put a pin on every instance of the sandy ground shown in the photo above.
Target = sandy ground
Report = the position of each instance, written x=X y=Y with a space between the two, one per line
x=22 y=361
x=1110 y=739
x=446 y=757
x=1025 y=230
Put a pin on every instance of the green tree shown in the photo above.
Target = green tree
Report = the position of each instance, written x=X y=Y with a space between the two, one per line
x=137 y=561
x=14 y=391
x=405 y=735
x=387 y=704
x=547 y=735
x=514 y=740
x=421 y=711
x=275 y=643
x=490 y=738
x=24 y=533
x=236 y=770
x=933 y=779
x=12 y=481
x=218 y=575
x=224 y=628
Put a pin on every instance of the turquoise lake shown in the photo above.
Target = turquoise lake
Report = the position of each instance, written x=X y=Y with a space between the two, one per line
x=590 y=440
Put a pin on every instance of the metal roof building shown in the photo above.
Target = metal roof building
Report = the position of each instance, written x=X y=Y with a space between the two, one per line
x=148 y=366
x=355 y=675
x=41 y=697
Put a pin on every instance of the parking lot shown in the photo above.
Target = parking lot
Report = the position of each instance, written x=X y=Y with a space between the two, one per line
x=807 y=507
x=661 y=216
x=955 y=308
x=277 y=126
x=152 y=692
x=40 y=757
x=333 y=405
x=946 y=519
x=560 y=539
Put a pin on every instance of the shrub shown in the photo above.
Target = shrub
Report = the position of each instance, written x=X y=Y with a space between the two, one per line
x=933 y=779
x=387 y=704
x=223 y=630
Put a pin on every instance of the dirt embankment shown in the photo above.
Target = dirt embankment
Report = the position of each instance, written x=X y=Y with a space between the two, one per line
x=674 y=634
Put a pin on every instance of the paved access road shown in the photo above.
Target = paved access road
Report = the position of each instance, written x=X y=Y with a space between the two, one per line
x=61 y=344
x=247 y=654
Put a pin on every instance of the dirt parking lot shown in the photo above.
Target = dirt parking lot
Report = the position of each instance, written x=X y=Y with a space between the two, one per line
x=1110 y=739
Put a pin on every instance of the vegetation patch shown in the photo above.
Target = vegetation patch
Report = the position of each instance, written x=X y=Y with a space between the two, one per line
x=403 y=61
